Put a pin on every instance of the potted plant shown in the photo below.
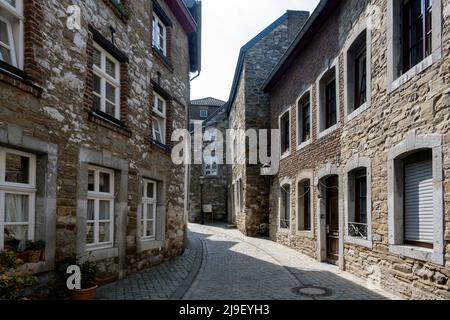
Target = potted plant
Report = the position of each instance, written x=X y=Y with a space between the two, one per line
x=88 y=290
x=35 y=249
x=12 y=280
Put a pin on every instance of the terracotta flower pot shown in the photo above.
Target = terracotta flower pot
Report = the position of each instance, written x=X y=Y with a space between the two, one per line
x=23 y=256
x=84 y=294
x=34 y=256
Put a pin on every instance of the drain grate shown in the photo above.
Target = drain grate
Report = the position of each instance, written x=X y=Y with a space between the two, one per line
x=312 y=291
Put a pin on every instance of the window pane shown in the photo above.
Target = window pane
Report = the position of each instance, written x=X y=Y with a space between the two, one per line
x=104 y=232
x=5 y=55
x=150 y=229
x=110 y=92
x=150 y=190
x=110 y=68
x=150 y=211
x=160 y=105
x=105 y=182
x=110 y=109
x=17 y=168
x=97 y=57
x=90 y=233
x=16 y=236
x=11 y=2
x=4 y=33
x=105 y=210
x=91 y=210
x=91 y=180
x=16 y=208
x=97 y=84
x=97 y=102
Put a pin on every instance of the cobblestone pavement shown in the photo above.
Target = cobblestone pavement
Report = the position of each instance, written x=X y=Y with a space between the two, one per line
x=167 y=281
x=223 y=264
x=239 y=268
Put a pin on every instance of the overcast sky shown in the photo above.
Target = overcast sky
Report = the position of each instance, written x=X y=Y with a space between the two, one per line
x=227 y=26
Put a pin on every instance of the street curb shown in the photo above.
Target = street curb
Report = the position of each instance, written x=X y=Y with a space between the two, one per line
x=181 y=291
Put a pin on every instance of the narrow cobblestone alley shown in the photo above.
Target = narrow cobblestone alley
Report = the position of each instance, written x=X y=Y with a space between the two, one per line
x=222 y=264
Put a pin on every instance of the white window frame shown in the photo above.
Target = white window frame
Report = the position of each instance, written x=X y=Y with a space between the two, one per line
x=98 y=196
x=145 y=201
x=18 y=189
x=299 y=118
x=160 y=118
x=104 y=78
x=16 y=29
x=158 y=34
x=282 y=184
x=286 y=153
x=211 y=171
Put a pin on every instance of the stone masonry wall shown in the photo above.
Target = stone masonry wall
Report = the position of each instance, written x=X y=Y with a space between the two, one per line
x=59 y=118
x=419 y=105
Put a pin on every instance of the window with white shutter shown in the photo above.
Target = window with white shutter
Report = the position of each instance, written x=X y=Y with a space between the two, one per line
x=418 y=200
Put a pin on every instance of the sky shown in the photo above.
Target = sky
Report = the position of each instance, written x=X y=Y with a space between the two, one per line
x=227 y=26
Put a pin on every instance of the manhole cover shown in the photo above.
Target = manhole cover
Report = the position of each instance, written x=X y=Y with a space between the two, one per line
x=311 y=291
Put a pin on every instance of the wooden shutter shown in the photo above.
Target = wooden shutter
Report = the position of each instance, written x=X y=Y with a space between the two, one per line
x=419 y=202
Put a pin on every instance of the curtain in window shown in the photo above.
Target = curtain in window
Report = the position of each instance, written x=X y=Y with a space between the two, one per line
x=16 y=213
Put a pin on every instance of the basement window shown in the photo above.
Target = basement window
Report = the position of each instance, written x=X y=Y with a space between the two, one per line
x=11 y=32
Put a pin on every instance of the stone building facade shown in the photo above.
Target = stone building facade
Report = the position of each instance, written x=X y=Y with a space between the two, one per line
x=89 y=112
x=364 y=179
x=248 y=108
x=203 y=109
x=209 y=180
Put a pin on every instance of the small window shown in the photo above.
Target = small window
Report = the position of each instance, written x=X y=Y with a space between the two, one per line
x=285 y=127
x=149 y=210
x=159 y=119
x=203 y=114
x=17 y=198
x=304 y=205
x=11 y=32
x=357 y=73
x=159 y=35
x=100 y=208
x=285 y=207
x=328 y=115
x=106 y=88
x=211 y=167
x=304 y=119
x=417 y=31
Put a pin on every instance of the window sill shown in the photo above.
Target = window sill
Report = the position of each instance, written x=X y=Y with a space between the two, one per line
x=303 y=145
x=305 y=234
x=114 y=125
x=95 y=254
x=357 y=112
x=146 y=245
x=285 y=155
x=422 y=254
x=359 y=242
x=163 y=58
x=160 y=146
x=414 y=71
x=328 y=131
x=18 y=79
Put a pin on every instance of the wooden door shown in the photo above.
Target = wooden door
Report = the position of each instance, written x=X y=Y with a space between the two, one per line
x=332 y=209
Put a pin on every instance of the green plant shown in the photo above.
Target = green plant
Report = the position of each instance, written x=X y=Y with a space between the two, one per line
x=88 y=270
x=35 y=245
x=13 y=281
